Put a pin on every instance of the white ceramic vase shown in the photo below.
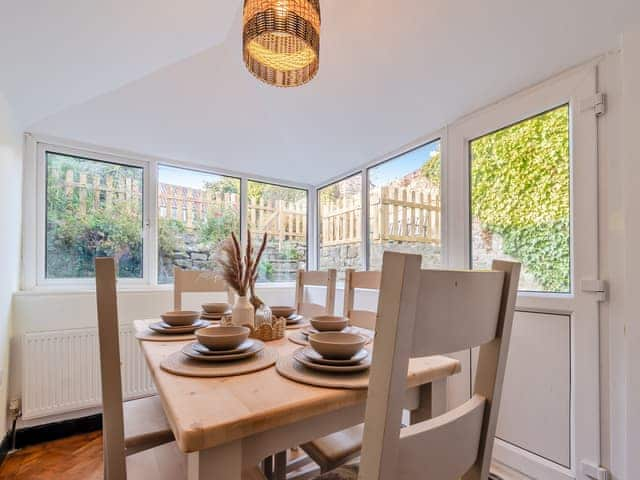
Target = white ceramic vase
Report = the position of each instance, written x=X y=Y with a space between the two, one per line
x=242 y=312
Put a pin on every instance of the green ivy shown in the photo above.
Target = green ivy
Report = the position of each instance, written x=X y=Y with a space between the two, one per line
x=520 y=191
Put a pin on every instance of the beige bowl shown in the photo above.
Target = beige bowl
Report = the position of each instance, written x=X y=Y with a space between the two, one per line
x=282 y=311
x=216 y=307
x=180 y=319
x=328 y=323
x=222 y=338
x=336 y=345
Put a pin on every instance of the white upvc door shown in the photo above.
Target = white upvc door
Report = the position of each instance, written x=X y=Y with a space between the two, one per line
x=550 y=414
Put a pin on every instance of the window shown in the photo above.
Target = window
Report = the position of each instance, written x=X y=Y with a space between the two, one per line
x=404 y=206
x=340 y=224
x=192 y=241
x=93 y=208
x=520 y=200
x=281 y=212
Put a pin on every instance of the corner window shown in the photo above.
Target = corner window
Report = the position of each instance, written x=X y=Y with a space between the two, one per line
x=340 y=225
x=281 y=212
x=404 y=206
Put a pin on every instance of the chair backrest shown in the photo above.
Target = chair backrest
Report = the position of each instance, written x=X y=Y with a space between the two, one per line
x=431 y=312
x=112 y=416
x=193 y=281
x=356 y=280
x=325 y=279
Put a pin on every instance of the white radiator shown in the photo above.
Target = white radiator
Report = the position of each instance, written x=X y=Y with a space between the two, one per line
x=61 y=371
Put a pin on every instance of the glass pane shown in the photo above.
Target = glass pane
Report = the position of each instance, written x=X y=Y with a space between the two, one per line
x=282 y=213
x=196 y=212
x=520 y=200
x=404 y=206
x=94 y=209
x=340 y=210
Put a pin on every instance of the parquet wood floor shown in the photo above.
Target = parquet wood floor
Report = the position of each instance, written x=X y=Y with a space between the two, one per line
x=80 y=458
x=74 y=458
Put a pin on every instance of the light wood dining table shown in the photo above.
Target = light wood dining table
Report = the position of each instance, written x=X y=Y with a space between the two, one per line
x=229 y=423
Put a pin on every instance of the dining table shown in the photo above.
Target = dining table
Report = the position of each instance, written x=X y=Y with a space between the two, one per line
x=227 y=424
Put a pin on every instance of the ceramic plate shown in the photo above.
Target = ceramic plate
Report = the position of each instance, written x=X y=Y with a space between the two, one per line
x=203 y=349
x=315 y=357
x=301 y=358
x=294 y=318
x=162 y=327
x=311 y=331
x=214 y=316
x=190 y=352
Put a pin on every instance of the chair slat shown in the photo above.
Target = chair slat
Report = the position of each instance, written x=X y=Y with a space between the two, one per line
x=445 y=447
x=369 y=280
x=197 y=281
x=457 y=310
x=320 y=279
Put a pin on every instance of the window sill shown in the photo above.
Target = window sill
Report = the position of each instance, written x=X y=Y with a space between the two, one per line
x=86 y=289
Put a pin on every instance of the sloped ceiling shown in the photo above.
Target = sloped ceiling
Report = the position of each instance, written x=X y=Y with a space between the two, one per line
x=57 y=53
x=391 y=72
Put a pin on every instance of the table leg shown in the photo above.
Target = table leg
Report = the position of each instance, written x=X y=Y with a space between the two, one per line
x=223 y=462
x=433 y=401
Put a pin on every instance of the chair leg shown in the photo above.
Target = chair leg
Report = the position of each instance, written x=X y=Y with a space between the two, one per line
x=280 y=470
x=267 y=468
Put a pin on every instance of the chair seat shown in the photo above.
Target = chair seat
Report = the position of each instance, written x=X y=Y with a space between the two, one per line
x=167 y=462
x=145 y=424
x=337 y=448
x=347 y=472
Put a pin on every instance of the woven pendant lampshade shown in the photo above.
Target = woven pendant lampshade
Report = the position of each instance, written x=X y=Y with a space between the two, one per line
x=281 y=40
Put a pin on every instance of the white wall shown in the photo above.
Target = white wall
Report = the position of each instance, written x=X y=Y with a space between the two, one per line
x=10 y=202
x=631 y=187
x=37 y=311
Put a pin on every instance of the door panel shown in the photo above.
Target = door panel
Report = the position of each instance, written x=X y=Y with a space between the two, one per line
x=535 y=413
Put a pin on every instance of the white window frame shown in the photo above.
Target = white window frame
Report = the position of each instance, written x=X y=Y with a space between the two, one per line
x=34 y=207
x=41 y=211
x=363 y=170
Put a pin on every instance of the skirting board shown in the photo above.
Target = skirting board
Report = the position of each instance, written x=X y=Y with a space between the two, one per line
x=55 y=431
x=5 y=445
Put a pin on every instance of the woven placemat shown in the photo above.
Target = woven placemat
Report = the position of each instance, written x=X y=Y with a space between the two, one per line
x=288 y=367
x=179 y=364
x=149 y=335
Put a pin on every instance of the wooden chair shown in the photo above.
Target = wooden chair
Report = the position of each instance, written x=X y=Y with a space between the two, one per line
x=336 y=449
x=193 y=281
x=322 y=279
x=137 y=439
x=360 y=280
x=134 y=426
x=434 y=312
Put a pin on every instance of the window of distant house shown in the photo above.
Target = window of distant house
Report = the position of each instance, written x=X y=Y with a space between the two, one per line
x=192 y=241
x=93 y=208
x=340 y=224
x=404 y=206
x=281 y=213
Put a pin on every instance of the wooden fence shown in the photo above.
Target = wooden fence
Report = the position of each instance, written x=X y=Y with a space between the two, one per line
x=97 y=191
x=397 y=214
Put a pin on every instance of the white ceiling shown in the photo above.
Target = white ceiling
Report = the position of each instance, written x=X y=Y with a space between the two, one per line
x=391 y=72
x=57 y=53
